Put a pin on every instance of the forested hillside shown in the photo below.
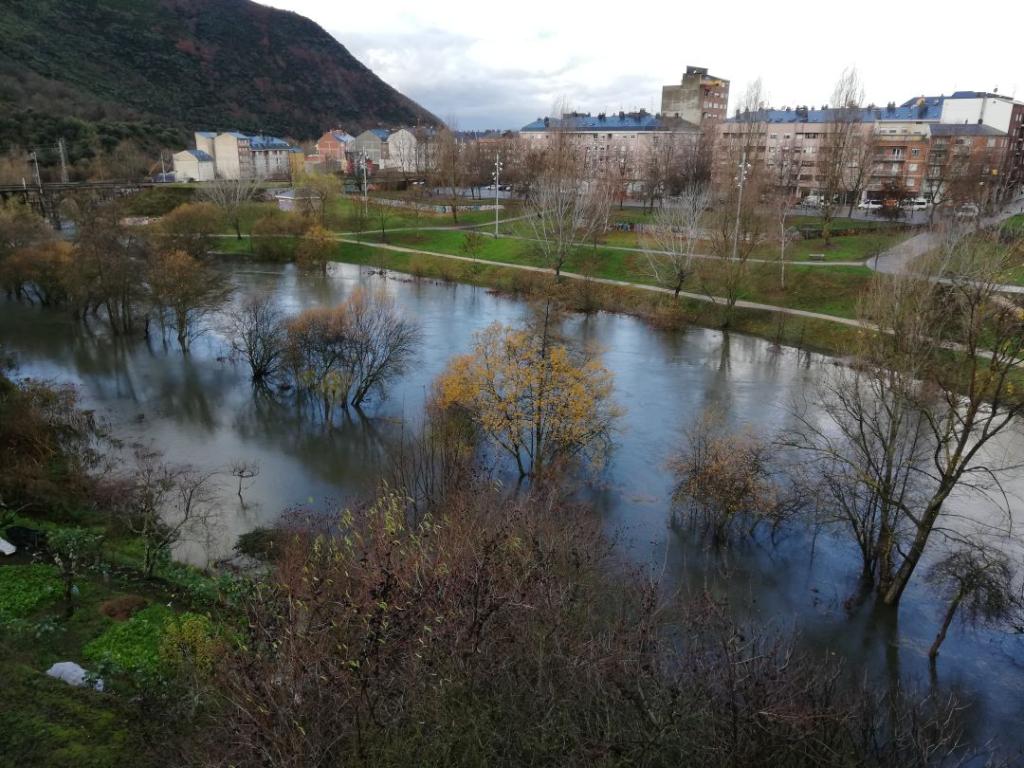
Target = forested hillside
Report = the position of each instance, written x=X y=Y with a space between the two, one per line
x=100 y=72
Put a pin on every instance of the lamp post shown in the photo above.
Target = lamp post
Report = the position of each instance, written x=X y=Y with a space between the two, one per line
x=497 y=188
x=744 y=166
x=362 y=165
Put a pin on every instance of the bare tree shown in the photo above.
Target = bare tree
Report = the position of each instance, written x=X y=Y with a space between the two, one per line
x=916 y=416
x=245 y=472
x=567 y=206
x=165 y=503
x=783 y=190
x=840 y=139
x=257 y=334
x=231 y=195
x=674 y=233
x=383 y=343
x=449 y=168
x=979 y=584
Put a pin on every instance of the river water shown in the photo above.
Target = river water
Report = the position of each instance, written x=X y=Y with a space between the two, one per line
x=201 y=409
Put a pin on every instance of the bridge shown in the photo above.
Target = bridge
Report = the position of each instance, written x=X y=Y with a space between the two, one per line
x=46 y=199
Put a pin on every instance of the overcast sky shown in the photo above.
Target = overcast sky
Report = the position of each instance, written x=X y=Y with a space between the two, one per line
x=499 y=65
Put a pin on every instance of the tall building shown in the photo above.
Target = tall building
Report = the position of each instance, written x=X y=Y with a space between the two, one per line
x=969 y=145
x=699 y=98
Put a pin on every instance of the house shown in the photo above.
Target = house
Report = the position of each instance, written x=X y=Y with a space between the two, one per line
x=401 y=151
x=193 y=165
x=370 y=145
x=332 y=149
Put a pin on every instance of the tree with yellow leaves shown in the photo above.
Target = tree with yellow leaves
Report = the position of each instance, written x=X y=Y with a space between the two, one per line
x=315 y=249
x=534 y=398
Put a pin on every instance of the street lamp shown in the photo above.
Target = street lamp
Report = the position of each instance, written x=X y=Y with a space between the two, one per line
x=744 y=168
x=497 y=188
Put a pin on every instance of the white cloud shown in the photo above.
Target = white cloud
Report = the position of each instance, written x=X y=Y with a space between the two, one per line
x=502 y=65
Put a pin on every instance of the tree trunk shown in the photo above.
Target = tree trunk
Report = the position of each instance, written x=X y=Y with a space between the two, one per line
x=924 y=529
x=950 y=612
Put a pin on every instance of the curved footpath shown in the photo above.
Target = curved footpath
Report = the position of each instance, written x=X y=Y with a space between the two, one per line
x=897 y=260
x=718 y=300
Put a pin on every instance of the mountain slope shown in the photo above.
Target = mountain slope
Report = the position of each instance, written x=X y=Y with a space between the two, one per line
x=133 y=66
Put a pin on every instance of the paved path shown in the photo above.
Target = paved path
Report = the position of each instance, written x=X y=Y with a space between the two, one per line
x=899 y=258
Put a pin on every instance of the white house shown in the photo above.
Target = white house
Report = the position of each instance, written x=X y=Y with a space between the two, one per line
x=401 y=151
x=193 y=165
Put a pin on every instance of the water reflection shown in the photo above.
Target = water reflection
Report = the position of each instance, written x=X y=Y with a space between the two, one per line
x=202 y=409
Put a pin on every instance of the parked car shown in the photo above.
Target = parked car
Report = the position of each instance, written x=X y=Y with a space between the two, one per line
x=916 y=204
x=812 y=201
x=870 y=205
x=968 y=211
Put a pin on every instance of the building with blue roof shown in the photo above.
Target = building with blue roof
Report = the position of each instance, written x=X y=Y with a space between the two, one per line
x=613 y=143
x=237 y=155
x=907 y=146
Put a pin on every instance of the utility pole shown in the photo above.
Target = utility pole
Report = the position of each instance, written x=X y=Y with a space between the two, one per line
x=35 y=159
x=743 y=168
x=63 y=161
x=497 y=188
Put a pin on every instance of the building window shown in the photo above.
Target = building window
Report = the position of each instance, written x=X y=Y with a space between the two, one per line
x=915 y=152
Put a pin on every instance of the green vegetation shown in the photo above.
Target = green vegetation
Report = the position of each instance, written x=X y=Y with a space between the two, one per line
x=24 y=589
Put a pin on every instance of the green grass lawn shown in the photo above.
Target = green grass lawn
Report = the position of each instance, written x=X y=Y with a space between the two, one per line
x=830 y=290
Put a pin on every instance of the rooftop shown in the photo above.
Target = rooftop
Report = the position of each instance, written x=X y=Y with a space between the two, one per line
x=966 y=129
x=623 y=121
x=911 y=111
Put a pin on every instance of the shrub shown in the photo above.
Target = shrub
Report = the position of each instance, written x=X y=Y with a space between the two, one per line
x=24 y=588
x=274 y=235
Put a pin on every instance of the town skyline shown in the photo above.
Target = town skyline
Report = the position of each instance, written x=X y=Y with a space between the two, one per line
x=482 y=68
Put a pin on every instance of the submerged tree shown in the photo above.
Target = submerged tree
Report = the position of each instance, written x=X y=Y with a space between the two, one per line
x=257 y=332
x=979 y=584
x=914 y=418
x=343 y=354
x=184 y=291
x=727 y=483
x=533 y=397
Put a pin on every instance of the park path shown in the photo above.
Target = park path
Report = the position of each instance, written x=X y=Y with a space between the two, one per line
x=898 y=259
x=716 y=300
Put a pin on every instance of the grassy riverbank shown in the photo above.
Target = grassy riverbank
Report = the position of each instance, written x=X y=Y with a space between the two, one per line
x=661 y=310
x=118 y=625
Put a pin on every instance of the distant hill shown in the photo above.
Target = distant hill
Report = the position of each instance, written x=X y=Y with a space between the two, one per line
x=100 y=71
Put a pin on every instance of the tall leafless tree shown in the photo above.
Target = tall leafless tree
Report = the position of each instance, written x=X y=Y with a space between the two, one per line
x=673 y=236
x=231 y=195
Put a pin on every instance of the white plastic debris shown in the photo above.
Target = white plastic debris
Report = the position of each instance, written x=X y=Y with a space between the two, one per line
x=6 y=548
x=72 y=674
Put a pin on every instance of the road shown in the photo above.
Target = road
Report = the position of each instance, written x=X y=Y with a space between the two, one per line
x=897 y=260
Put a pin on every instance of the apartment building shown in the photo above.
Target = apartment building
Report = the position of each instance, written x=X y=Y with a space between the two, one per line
x=700 y=98
x=618 y=142
x=237 y=155
x=918 y=148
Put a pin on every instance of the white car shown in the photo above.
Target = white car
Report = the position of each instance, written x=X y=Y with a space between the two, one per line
x=870 y=205
x=968 y=211
x=811 y=201
x=916 y=204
